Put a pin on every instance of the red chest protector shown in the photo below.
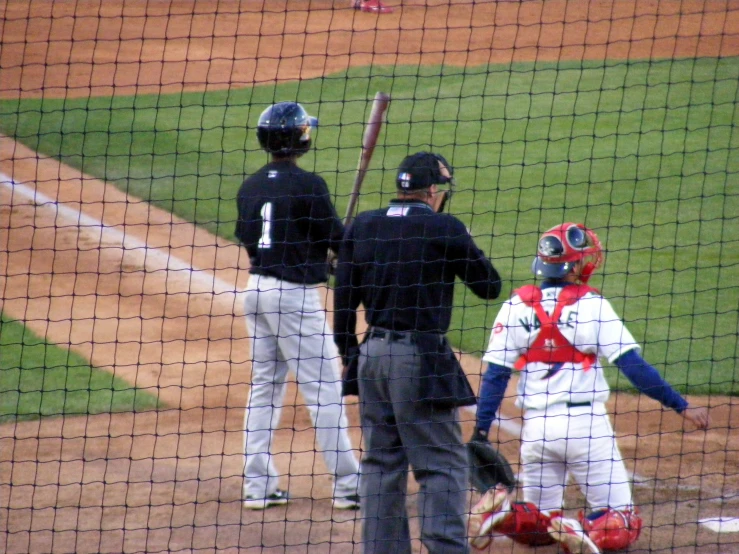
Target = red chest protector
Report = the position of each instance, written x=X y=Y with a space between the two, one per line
x=551 y=346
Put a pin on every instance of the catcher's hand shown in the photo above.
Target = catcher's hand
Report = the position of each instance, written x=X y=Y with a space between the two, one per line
x=698 y=416
x=488 y=467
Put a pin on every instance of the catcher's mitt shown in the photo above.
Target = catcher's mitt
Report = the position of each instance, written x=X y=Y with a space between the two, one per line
x=488 y=467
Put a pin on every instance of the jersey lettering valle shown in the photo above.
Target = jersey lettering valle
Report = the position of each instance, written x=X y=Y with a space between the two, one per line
x=590 y=325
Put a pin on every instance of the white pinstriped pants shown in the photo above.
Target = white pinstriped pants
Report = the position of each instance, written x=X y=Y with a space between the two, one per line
x=577 y=441
x=289 y=332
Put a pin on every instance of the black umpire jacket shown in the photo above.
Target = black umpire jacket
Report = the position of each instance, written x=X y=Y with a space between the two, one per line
x=401 y=263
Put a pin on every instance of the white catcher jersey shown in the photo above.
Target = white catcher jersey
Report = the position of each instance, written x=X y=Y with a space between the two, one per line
x=590 y=325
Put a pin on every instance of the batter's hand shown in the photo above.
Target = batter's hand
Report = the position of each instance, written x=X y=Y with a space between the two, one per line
x=698 y=416
x=333 y=262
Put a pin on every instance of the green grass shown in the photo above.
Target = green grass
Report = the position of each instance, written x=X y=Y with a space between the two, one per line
x=646 y=152
x=41 y=379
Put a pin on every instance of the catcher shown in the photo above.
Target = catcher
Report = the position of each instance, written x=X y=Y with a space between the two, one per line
x=553 y=336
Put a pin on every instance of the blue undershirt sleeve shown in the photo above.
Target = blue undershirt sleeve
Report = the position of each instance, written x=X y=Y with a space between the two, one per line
x=492 y=391
x=648 y=380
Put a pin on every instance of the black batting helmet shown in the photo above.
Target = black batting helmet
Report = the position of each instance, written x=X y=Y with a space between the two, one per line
x=284 y=128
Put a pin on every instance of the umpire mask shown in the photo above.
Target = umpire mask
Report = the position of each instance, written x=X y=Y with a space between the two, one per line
x=421 y=170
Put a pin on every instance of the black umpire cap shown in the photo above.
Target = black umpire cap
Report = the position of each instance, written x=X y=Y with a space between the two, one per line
x=421 y=170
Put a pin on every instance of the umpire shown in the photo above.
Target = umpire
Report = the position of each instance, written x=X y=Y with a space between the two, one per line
x=401 y=263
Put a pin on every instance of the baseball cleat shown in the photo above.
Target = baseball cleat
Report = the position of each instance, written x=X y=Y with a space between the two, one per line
x=350 y=502
x=277 y=498
x=569 y=533
x=490 y=510
x=372 y=6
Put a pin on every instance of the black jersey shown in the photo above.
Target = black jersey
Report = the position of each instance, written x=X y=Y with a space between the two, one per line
x=401 y=263
x=287 y=223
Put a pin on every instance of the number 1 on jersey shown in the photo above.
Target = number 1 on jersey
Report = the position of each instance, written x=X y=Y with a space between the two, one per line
x=266 y=212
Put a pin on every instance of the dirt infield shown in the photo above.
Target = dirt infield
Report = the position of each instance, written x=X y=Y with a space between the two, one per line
x=171 y=480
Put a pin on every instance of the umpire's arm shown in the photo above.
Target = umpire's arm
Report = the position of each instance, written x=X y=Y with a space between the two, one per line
x=472 y=266
x=347 y=297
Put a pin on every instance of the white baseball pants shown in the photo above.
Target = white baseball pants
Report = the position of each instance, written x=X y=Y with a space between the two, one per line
x=578 y=441
x=289 y=332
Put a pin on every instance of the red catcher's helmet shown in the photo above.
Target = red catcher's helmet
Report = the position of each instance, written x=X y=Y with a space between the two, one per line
x=561 y=247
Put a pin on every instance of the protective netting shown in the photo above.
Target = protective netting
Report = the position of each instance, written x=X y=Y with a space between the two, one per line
x=126 y=130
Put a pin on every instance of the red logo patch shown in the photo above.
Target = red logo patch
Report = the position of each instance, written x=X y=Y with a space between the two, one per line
x=498 y=328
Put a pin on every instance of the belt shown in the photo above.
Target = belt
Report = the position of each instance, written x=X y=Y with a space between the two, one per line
x=386 y=334
x=578 y=404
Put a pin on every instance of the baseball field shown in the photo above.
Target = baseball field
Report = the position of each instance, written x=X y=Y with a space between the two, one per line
x=126 y=130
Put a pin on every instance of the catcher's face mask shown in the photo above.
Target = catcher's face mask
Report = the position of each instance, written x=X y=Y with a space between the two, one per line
x=562 y=247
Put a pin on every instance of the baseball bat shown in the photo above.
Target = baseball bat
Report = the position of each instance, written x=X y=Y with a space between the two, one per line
x=369 y=141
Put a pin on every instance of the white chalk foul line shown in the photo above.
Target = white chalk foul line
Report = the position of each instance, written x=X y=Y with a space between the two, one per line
x=154 y=259
x=721 y=524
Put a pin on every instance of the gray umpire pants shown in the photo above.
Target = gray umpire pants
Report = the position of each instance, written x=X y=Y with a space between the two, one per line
x=399 y=428
x=287 y=323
